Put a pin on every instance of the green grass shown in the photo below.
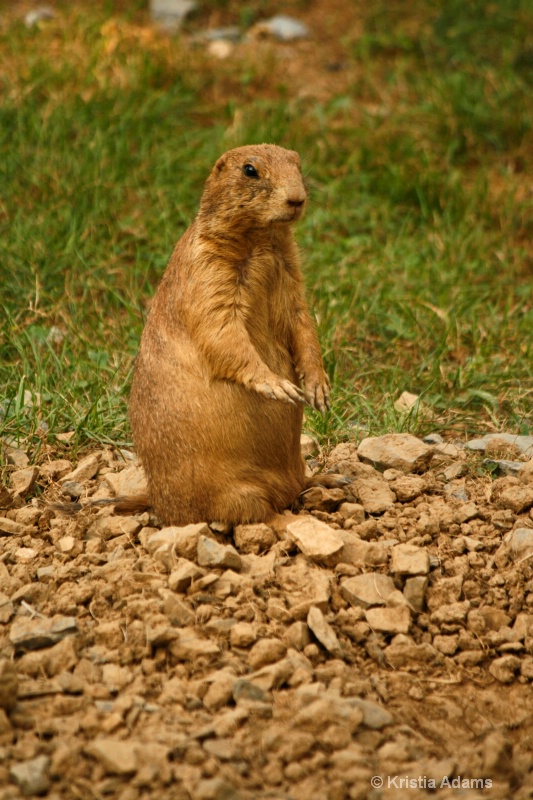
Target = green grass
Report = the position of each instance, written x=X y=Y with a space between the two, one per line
x=417 y=242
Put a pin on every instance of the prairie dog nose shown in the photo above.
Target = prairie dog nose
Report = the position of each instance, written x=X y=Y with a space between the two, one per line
x=295 y=202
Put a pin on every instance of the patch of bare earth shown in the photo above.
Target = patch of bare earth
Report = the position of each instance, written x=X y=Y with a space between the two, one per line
x=383 y=632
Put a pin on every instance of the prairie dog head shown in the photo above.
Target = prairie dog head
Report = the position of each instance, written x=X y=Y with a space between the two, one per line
x=255 y=186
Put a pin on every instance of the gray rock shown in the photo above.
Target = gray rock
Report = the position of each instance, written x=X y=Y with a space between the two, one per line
x=33 y=634
x=73 y=489
x=211 y=554
x=324 y=632
x=374 y=715
x=284 y=28
x=32 y=777
x=246 y=691
x=370 y=589
x=523 y=443
x=399 y=451
x=503 y=467
x=31 y=19
x=170 y=14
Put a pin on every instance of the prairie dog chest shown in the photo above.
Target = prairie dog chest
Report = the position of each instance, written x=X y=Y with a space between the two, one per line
x=269 y=293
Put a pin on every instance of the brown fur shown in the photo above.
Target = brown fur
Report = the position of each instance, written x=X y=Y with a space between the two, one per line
x=216 y=404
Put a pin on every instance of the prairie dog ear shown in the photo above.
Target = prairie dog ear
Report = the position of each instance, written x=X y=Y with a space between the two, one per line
x=221 y=163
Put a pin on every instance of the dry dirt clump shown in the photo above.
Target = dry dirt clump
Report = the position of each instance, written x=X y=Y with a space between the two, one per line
x=375 y=642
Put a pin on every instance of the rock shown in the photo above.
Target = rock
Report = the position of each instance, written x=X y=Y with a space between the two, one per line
x=407 y=487
x=183 y=541
x=10 y=527
x=58 y=468
x=444 y=592
x=266 y=651
x=128 y=482
x=7 y=609
x=115 y=757
x=521 y=542
x=281 y=27
x=183 y=574
x=244 y=691
x=176 y=610
x=503 y=467
x=403 y=653
x=318 y=498
x=315 y=539
x=32 y=777
x=220 y=691
x=86 y=469
x=309 y=445
x=399 y=451
x=297 y=635
x=447 y=645
x=242 y=634
x=497 y=755
x=170 y=14
x=451 y=614
x=370 y=589
x=72 y=489
x=357 y=551
x=505 y=668
x=189 y=646
x=389 y=620
x=509 y=493
x=374 y=494
x=254 y=539
x=23 y=480
x=353 y=511
x=415 y=592
x=8 y=684
x=374 y=716
x=304 y=586
x=32 y=634
x=324 y=632
x=213 y=555
x=216 y=789
x=523 y=443
x=109 y=527
x=406 y=559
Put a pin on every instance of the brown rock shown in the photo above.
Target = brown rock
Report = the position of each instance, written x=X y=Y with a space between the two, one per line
x=23 y=480
x=324 y=632
x=320 y=499
x=505 y=668
x=86 y=469
x=374 y=494
x=407 y=488
x=389 y=620
x=266 y=651
x=128 y=482
x=304 y=586
x=406 y=559
x=254 y=539
x=115 y=757
x=213 y=555
x=8 y=684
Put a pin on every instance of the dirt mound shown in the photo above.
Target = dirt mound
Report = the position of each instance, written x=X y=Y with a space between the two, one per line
x=375 y=642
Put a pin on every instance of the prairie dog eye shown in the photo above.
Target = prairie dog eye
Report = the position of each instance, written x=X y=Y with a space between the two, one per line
x=250 y=171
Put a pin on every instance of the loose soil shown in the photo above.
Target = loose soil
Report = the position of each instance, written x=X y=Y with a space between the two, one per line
x=138 y=663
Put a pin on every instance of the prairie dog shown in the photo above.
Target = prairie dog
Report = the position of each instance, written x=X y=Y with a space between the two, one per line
x=229 y=353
